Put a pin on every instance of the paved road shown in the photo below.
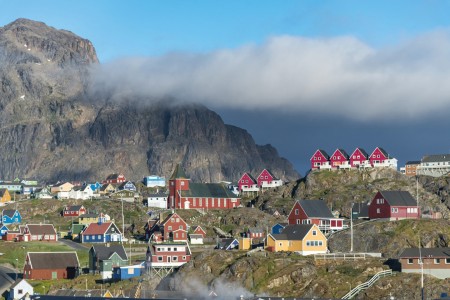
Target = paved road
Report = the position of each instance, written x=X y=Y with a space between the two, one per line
x=7 y=278
x=73 y=245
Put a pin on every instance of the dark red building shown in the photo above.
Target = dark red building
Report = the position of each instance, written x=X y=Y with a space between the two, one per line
x=378 y=156
x=339 y=158
x=394 y=205
x=51 y=265
x=114 y=179
x=247 y=183
x=320 y=159
x=358 y=157
x=74 y=210
x=184 y=194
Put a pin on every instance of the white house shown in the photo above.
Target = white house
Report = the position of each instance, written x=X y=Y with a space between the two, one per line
x=434 y=165
x=81 y=192
x=157 y=200
x=20 y=289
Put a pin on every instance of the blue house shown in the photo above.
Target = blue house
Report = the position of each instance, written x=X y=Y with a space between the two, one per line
x=154 y=181
x=101 y=233
x=3 y=230
x=95 y=186
x=127 y=272
x=127 y=186
x=11 y=216
x=228 y=244
x=278 y=228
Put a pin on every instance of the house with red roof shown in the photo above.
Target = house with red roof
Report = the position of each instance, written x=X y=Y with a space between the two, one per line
x=247 y=183
x=314 y=212
x=101 y=233
x=267 y=180
x=394 y=205
x=340 y=159
x=320 y=160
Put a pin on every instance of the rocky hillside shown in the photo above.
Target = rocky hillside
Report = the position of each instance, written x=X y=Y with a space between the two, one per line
x=52 y=128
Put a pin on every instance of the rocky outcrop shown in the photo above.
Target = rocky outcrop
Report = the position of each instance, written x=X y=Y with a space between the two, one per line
x=52 y=128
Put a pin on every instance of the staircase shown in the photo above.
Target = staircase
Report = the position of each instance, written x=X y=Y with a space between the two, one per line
x=367 y=284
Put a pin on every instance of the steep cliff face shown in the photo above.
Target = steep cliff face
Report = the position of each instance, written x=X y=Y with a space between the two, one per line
x=52 y=128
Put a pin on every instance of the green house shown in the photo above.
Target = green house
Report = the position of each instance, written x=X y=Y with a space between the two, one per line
x=103 y=258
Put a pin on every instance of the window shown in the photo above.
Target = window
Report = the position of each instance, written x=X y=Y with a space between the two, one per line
x=158 y=249
x=184 y=257
x=182 y=183
x=308 y=243
x=394 y=210
x=87 y=237
x=280 y=244
x=99 y=237
x=169 y=228
x=169 y=249
x=298 y=221
x=437 y=261
x=20 y=291
x=410 y=261
x=378 y=211
x=175 y=258
x=447 y=261
x=314 y=232
x=320 y=243
x=174 y=249
x=296 y=212
x=180 y=227
x=160 y=258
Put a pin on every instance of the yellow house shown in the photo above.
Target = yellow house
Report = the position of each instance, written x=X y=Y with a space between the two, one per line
x=303 y=238
x=5 y=196
x=245 y=243
x=87 y=219
x=61 y=187
x=107 y=189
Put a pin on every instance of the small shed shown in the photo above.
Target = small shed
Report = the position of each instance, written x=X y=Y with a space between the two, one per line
x=127 y=272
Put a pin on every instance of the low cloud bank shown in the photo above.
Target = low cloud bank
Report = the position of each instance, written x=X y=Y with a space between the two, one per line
x=339 y=76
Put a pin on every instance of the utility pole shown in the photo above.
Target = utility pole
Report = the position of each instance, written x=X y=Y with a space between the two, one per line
x=351 y=228
x=123 y=223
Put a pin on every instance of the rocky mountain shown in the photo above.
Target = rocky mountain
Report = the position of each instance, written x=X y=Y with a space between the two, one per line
x=51 y=127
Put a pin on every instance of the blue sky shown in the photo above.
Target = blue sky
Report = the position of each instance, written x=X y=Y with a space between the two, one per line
x=322 y=74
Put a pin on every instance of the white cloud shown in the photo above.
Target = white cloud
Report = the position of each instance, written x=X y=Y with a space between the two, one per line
x=339 y=76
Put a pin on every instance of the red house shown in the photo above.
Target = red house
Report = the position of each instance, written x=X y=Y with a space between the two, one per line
x=184 y=194
x=255 y=233
x=267 y=180
x=340 y=159
x=394 y=205
x=320 y=160
x=248 y=184
x=114 y=179
x=174 y=229
x=51 y=265
x=314 y=212
x=74 y=211
x=358 y=157
x=39 y=232
x=378 y=156
x=199 y=230
x=167 y=255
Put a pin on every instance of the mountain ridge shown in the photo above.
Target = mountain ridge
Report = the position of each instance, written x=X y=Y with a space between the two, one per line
x=52 y=127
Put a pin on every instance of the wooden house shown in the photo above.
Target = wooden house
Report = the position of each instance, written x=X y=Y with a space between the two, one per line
x=197 y=229
x=158 y=200
x=101 y=233
x=314 y=212
x=227 y=244
x=174 y=228
x=20 y=289
x=359 y=157
x=128 y=272
x=278 y=228
x=304 y=239
x=167 y=255
x=255 y=233
x=394 y=205
x=3 y=231
x=380 y=158
x=11 y=216
x=247 y=183
x=196 y=239
x=127 y=185
x=184 y=194
x=87 y=218
x=51 y=265
x=114 y=178
x=74 y=210
x=340 y=159
x=320 y=160
x=103 y=259
x=411 y=168
x=267 y=180
x=62 y=189
x=107 y=189
x=39 y=232
x=5 y=196
x=434 y=165
x=430 y=261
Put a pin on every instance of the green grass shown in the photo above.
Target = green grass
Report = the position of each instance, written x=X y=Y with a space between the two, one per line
x=14 y=253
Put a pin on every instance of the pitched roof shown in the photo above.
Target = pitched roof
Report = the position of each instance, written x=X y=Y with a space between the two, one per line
x=113 y=176
x=9 y=212
x=316 y=208
x=88 y=216
x=41 y=229
x=399 y=198
x=382 y=151
x=96 y=228
x=436 y=158
x=105 y=252
x=415 y=162
x=323 y=152
x=255 y=230
x=17 y=282
x=211 y=190
x=343 y=152
x=293 y=232
x=170 y=216
x=250 y=176
x=2 y=192
x=77 y=228
x=363 y=152
x=178 y=173
x=73 y=207
x=425 y=252
x=53 y=260
x=270 y=173
x=226 y=242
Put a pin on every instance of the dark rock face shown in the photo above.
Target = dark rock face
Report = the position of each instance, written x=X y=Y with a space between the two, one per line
x=52 y=128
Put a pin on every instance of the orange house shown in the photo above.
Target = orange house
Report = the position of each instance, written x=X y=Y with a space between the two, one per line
x=5 y=196
x=304 y=239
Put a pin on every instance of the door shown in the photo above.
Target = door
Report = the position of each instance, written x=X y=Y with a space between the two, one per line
x=54 y=275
